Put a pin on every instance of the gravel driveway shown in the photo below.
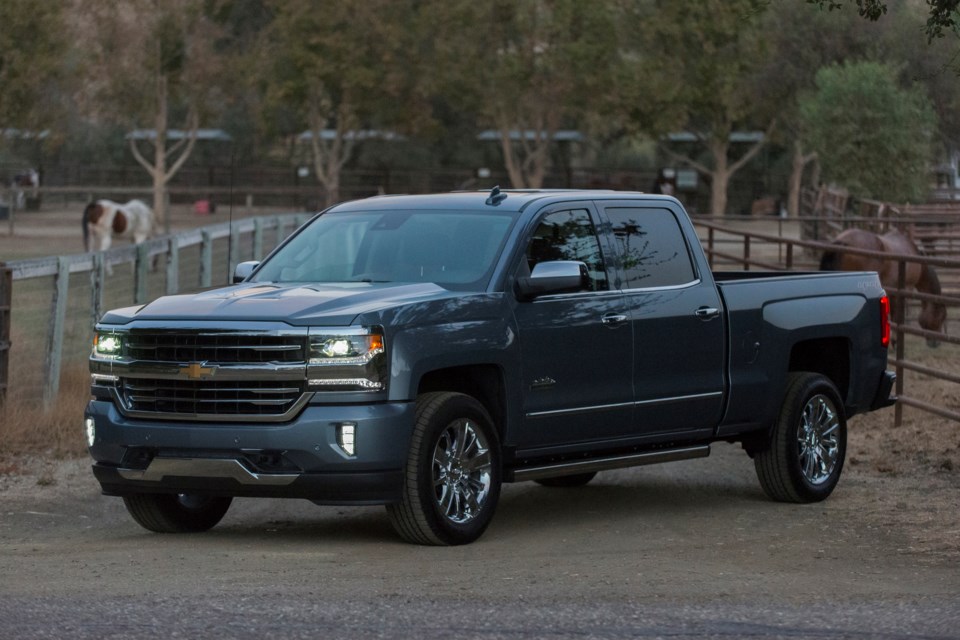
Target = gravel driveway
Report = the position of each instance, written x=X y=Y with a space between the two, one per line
x=683 y=550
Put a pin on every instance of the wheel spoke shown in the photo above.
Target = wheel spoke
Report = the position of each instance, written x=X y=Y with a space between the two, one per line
x=479 y=462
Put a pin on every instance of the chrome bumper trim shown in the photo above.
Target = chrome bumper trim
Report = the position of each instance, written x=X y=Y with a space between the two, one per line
x=161 y=468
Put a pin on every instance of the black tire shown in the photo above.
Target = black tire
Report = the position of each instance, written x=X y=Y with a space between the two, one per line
x=430 y=511
x=804 y=458
x=176 y=513
x=575 y=480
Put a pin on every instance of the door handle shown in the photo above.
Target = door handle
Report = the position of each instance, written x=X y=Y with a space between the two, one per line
x=613 y=319
x=707 y=313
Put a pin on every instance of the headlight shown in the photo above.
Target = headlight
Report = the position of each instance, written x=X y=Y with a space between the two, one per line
x=349 y=359
x=107 y=344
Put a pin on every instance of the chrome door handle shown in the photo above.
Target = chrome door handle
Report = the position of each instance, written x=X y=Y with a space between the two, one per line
x=613 y=319
x=707 y=313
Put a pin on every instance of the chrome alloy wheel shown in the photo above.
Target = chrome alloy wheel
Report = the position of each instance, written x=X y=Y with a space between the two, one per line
x=817 y=439
x=461 y=471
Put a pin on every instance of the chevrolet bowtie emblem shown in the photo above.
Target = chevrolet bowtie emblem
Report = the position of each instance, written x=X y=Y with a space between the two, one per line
x=196 y=370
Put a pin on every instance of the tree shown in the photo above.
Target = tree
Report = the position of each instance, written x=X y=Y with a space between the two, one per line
x=872 y=136
x=527 y=70
x=801 y=43
x=31 y=55
x=333 y=68
x=712 y=51
x=942 y=15
x=153 y=63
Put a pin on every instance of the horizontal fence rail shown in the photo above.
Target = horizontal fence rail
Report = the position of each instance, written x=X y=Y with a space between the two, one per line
x=49 y=311
x=785 y=258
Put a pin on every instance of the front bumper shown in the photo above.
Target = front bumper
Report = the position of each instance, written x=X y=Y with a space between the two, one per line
x=298 y=459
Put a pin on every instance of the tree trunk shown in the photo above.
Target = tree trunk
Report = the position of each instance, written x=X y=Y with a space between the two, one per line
x=799 y=163
x=719 y=177
x=159 y=172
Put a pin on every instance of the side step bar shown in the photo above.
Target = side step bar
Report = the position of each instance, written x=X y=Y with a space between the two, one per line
x=591 y=465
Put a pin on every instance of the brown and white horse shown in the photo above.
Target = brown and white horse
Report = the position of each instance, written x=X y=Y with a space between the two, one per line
x=104 y=219
x=922 y=277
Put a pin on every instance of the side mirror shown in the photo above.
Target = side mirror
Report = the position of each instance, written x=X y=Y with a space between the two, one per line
x=244 y=269
x=558 y=276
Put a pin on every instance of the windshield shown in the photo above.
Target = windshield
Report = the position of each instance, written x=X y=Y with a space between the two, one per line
x=454 y=249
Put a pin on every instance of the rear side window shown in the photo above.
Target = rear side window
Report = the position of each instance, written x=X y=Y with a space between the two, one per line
x=652 y=250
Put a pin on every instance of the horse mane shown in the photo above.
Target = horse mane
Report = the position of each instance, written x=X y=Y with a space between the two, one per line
x=85 y=221
x=929 y=281
x=831 y=260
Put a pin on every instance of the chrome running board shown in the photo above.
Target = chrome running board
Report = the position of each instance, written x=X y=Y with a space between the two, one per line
x=592 y=465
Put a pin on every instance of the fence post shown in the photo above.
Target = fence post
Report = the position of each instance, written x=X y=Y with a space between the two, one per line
x=6 y=305
x=173 y=266
x=58 y=317
x=140 y=275
x=233 y=252
x=206 y=258
x=900 y=319
x=746 y=252
x=258 y=238
x=710 y=246
x=97 y=274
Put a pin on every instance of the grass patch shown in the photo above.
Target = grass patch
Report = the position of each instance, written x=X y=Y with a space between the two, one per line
x=25 y=428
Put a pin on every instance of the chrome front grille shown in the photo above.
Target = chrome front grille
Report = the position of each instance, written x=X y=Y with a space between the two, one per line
x=209 y=397
x=215 y=347
x=210 y=376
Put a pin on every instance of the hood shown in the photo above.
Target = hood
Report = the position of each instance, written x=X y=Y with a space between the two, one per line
x=296 y=304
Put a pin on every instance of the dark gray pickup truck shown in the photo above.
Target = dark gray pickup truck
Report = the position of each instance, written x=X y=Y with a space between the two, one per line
x=418 y=351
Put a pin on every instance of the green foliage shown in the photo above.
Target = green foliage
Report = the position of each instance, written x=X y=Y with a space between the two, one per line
x=31 y=55
x=872 y=136
x=942 y=14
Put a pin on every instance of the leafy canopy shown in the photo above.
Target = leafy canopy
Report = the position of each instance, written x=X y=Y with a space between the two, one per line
x=872 y=136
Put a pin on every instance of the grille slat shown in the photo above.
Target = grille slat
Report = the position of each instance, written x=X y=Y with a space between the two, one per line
x=218 y=399
x=221 y=348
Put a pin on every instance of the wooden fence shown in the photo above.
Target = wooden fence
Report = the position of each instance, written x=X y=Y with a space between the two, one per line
x=791 y=253
x=45 y=308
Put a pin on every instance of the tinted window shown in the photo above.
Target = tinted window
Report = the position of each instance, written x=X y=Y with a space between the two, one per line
x=569 y=235
x=652 y=249
x=455 y=249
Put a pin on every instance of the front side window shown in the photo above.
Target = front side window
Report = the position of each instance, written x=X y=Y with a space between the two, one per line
x=653 y=252
x=455 y=249
x=569 y=235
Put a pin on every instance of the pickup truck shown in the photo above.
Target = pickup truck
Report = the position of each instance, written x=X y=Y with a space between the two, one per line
x=419 y=351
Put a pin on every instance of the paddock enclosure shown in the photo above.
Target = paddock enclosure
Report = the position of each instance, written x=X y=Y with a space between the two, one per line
x=49 y=305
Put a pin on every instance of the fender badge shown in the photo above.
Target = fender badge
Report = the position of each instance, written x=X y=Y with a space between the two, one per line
x=196 y=370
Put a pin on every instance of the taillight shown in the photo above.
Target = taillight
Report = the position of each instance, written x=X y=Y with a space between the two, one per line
x=885 y=321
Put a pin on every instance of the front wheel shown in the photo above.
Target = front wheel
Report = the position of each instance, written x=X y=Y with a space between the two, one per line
x=452 y=477
x=176 y=513
x=804 y=458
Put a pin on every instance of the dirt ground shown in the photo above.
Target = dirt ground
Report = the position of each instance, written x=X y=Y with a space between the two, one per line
x=684 y=550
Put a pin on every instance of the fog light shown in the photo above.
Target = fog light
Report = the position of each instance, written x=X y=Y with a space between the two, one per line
x=91 y=430
x=346 y=434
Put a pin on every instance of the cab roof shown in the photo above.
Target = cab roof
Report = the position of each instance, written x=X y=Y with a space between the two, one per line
x=516 y=199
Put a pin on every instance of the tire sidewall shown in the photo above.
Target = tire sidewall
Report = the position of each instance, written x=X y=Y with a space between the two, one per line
x=456 y=407
x=807 y=388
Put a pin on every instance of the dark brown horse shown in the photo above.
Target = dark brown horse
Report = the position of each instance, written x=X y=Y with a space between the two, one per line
x=922 y=277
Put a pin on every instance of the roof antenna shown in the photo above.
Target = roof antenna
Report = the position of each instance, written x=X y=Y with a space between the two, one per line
x=496 y=197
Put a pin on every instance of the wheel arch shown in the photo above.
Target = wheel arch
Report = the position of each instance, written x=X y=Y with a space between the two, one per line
x=484 y=382
x=830 y=357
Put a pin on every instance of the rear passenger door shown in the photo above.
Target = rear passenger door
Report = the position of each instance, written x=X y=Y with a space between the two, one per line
x=577 y=361
x=676 y=317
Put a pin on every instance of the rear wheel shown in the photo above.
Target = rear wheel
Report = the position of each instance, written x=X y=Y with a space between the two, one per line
x=176 y=513
x=805 y=455
x=452 y=478
x=575 y=480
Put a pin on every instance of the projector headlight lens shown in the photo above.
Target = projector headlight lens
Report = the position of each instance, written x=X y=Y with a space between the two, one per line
x=347 y=359
x=107 y=344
